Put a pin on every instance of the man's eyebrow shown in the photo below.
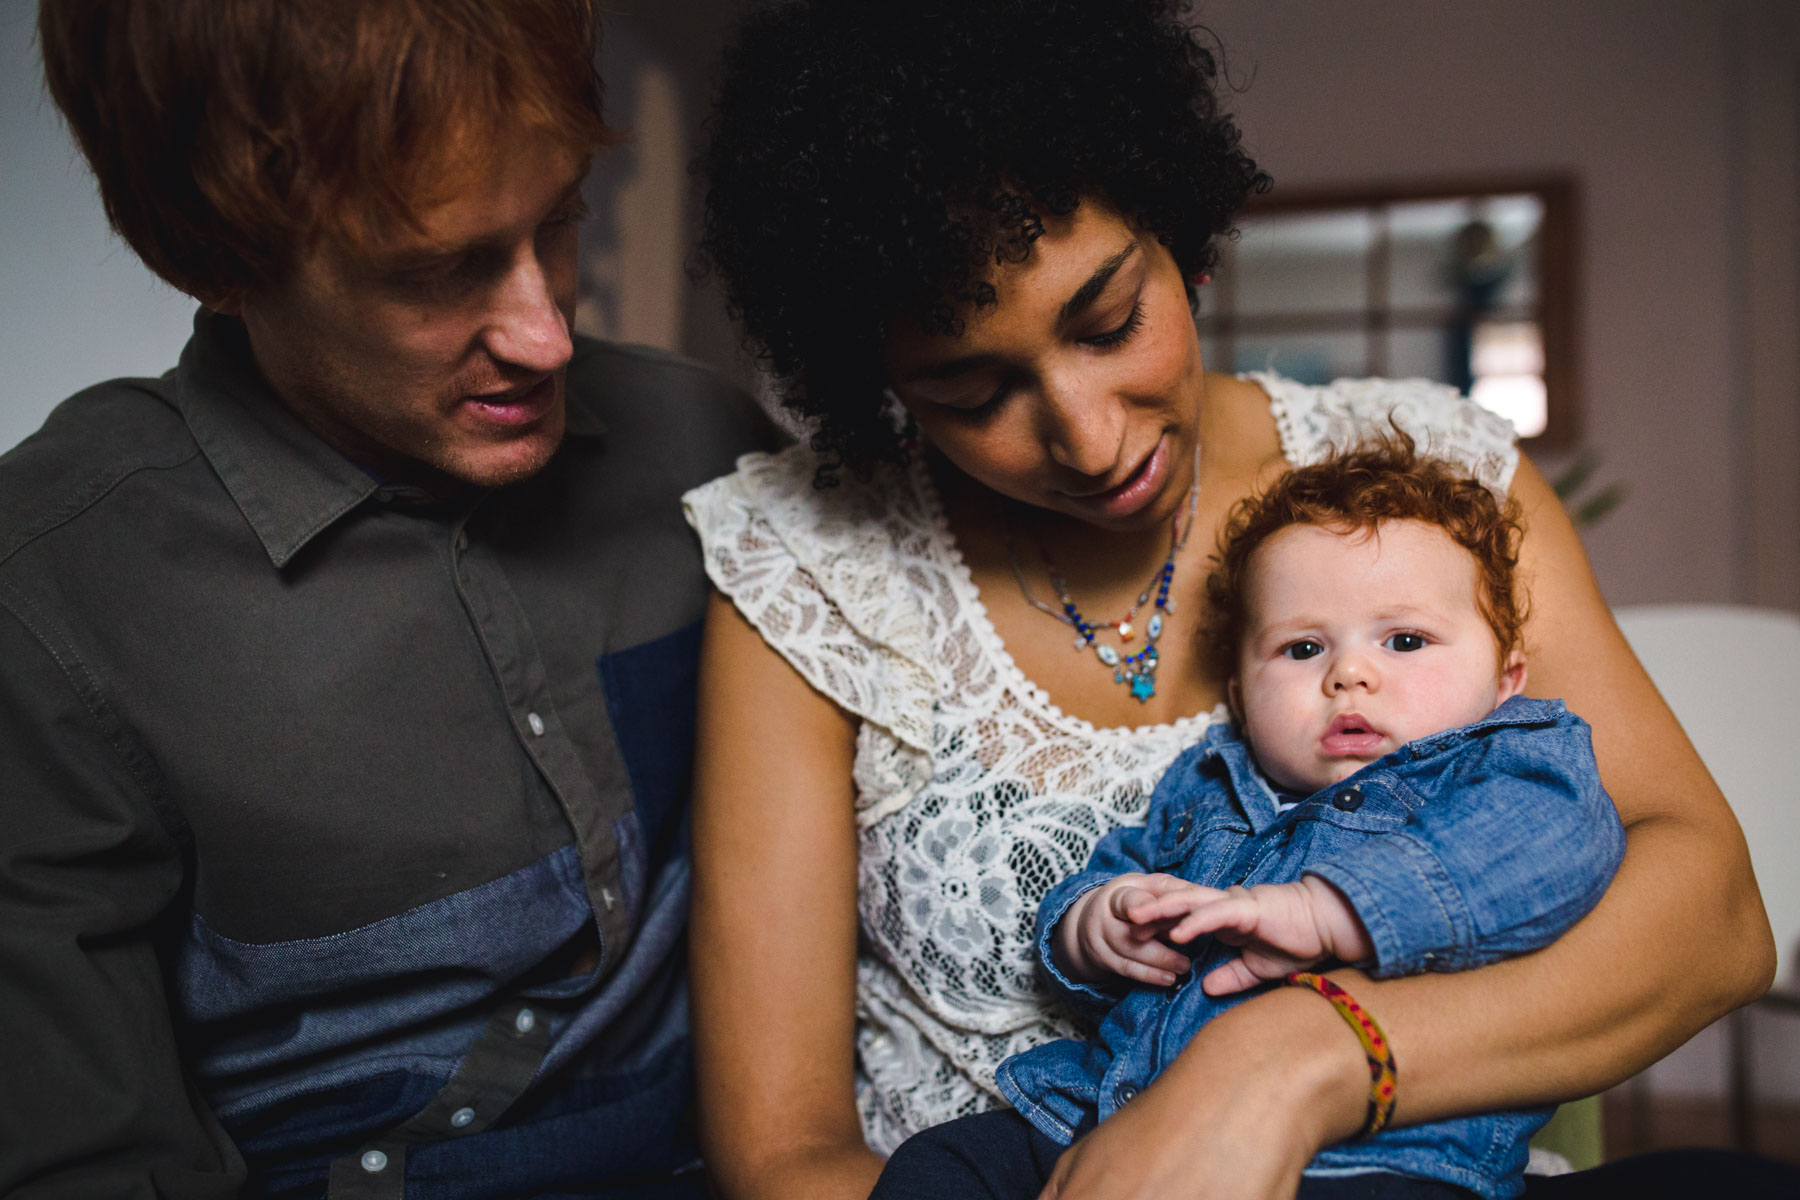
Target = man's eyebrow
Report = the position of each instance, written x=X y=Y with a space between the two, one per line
x=425 y=254
x=1096 y=283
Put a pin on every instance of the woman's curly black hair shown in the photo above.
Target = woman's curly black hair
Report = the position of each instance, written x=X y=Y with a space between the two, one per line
x=869 y=162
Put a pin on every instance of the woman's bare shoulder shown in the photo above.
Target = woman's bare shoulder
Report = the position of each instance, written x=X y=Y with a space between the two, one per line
x=1238 y=428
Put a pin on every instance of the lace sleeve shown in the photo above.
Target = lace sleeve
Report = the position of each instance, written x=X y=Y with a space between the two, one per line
x=819 y=574
x=1315 y=421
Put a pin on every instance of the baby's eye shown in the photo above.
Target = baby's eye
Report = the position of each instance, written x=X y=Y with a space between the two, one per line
x=1303 y=649
x=1405 y=642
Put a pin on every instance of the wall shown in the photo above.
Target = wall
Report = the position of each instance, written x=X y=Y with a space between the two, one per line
x=76 y=306
x=1642 y=102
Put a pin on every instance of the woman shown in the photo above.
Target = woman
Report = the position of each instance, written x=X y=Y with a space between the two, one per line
x=965 y=235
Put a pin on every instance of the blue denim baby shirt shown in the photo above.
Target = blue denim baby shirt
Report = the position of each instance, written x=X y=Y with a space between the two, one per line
x=1456 y=850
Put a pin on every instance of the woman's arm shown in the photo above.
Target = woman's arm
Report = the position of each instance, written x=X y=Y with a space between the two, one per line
x=773 y=947
x=1680 y=939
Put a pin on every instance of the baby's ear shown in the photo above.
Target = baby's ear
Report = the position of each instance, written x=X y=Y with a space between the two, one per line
x=1512 y=678
x=1234 y=702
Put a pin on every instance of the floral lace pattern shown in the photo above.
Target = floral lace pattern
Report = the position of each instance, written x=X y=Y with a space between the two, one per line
x=974 y=794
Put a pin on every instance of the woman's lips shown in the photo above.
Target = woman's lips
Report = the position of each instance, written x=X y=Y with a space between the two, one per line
x=513 y=409
x=1139 y=488
x=1352 y=736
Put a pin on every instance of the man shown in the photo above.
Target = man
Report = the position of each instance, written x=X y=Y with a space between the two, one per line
x=346 y=671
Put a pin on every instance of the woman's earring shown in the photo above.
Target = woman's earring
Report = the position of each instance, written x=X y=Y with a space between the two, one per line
x=1200 y=280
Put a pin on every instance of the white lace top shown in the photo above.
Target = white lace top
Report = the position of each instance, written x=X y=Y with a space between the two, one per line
x=974 y=794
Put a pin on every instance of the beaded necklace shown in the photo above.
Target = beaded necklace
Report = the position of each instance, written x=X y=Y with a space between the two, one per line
x=1136 y=671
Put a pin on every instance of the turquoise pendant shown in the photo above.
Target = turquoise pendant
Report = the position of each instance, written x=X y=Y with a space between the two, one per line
x=1143 y=686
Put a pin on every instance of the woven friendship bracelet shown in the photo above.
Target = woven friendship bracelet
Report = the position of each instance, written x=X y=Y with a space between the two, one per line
x=1382 y=1076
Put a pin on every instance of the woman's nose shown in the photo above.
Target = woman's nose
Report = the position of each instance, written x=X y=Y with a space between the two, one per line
x=1085 y=431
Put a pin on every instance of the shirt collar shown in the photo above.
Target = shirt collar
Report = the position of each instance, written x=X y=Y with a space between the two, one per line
x=288 y=482
x=284 y=478
x=1256 y=799
x=580 y=416
x=1261 y=803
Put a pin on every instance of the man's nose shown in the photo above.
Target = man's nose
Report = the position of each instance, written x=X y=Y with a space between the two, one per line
x=528 y=327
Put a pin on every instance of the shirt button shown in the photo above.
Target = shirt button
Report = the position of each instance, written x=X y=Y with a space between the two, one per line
x=526 y=1021
x=374 y=1161
x=462 y=1117
x=1348 y=800
x=1186 y=826
x=1124 y=1093
x=537 y=724
x=462 y=540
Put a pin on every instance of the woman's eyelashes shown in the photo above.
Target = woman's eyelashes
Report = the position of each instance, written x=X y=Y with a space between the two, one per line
x=1121 y=333
x=978 y=406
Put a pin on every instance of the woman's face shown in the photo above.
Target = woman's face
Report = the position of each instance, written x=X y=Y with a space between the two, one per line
x=1079 y=391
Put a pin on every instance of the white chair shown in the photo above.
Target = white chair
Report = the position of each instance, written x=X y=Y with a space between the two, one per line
x=1732 y=675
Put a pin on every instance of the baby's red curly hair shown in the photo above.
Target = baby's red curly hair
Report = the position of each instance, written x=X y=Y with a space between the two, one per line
x=1385 y=479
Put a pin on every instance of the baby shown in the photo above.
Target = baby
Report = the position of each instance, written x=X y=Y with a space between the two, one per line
x=1393 y=802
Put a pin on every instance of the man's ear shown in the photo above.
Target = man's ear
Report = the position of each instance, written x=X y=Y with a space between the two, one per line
x=1512 y=678
x=226 y=304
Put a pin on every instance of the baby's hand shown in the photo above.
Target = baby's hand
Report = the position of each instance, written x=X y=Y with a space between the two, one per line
x=1282 y=927
x=1107 y=931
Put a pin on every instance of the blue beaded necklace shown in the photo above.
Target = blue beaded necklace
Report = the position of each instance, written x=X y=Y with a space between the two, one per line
x=1136 y=671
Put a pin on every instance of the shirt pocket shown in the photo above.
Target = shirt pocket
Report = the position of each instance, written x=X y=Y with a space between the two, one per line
x=1201 y=845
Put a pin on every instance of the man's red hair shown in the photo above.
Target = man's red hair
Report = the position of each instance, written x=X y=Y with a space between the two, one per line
x=229 y=135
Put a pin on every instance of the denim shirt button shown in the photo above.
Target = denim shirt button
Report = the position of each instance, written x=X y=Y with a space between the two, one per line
x=1348 y=800
x=1122 y=1095
x=374 y=1162
x=1186 y=826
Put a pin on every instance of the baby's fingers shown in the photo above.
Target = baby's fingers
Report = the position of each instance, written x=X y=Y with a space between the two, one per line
x=1235 y=912
x=1171 y=904
x=1148 y=962
x=1234 y=976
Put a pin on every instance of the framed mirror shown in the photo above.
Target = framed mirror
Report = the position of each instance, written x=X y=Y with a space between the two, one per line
x=1466 y=282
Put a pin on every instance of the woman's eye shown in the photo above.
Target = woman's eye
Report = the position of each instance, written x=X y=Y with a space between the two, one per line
x=1304 y=649
x=976 y=409
x=1405 y=642
x=1121 y=333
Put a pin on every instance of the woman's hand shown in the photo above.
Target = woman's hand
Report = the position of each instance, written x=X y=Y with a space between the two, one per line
x=1237 y=1117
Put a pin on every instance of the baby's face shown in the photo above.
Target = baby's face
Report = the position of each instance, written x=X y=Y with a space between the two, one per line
x=1356 y=644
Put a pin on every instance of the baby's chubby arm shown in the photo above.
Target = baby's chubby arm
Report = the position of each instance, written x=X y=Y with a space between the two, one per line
x=1123 y=928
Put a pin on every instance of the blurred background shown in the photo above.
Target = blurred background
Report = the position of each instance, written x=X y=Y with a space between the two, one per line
x=1587 y=211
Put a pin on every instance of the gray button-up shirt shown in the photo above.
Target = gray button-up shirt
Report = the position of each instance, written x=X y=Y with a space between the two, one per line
x=309 y=783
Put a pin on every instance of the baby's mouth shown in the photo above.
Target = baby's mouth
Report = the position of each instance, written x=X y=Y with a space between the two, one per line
x=1351 y=734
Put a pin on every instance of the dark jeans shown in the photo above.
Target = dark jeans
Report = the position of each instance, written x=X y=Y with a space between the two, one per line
x=1000 y=1156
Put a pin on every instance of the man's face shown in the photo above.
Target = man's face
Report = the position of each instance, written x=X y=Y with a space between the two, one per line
x=444 y=349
